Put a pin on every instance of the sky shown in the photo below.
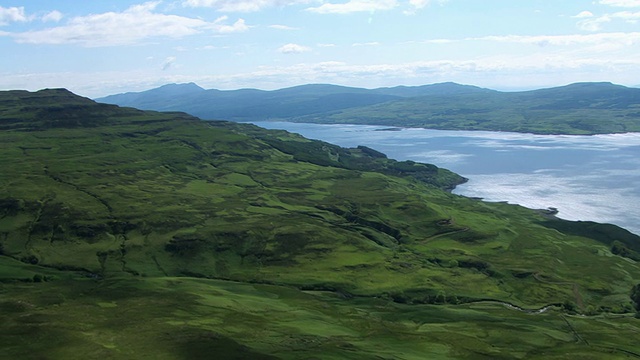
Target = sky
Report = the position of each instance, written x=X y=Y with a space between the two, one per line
x=97 y=48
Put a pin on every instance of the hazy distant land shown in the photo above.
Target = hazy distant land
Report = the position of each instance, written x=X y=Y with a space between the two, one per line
x=581 y=108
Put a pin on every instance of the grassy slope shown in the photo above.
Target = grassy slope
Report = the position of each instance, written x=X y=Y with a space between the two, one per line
x=189 y=236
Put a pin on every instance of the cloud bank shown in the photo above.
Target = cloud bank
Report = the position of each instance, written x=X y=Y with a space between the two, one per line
x=354 y=6
x=241 y=5
x=293 y=49
x=621 y=3
x=12 y=14
x=135 y=24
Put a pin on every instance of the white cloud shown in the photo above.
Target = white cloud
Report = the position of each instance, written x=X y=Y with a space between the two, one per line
x=137 y=23
x=564 y=40
x=631 y=17
x=584 y=14
x=593 y=24
x=352 y=6
x=168 y=63
x=419 y=4
x=502 y=72
x=17 y=14
x=241 y=5
x=12 y=14
x=488 y=69
x=415 y=5
x=282 y=27
x=54 y=16
x=440 y=41
x=238 y=26
x=293 y=49
x=621 y=3
x=430 y=71
x=373 y=43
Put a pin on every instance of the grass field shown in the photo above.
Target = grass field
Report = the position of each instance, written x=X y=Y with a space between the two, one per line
x=128 y=234
x=187 y=318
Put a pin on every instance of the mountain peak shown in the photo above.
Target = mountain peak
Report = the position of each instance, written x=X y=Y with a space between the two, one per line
x=176 y=89
x=183 y=86
x=162 y=94
x=601 y=84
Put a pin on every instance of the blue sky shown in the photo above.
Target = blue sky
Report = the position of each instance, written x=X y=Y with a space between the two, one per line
x=96 y=48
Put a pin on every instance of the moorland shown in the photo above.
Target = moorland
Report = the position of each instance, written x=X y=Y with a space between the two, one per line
x=576 y=109
x=138 y=234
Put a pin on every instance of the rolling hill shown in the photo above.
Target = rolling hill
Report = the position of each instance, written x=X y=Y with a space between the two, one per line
x=131 y=234
x=253 y=105
x=581 y=108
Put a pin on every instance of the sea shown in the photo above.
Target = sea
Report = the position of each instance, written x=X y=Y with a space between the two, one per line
x=589 y=178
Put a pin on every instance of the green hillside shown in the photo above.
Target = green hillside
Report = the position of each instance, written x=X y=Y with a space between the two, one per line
x=127 y=234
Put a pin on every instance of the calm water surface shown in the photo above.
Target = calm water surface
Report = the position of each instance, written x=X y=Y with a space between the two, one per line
x=593 y=178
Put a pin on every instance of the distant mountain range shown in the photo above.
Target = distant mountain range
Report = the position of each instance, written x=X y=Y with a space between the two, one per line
x=253 y=104
x=580 y=108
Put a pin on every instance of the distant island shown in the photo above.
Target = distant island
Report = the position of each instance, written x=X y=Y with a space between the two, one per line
x=575 y=109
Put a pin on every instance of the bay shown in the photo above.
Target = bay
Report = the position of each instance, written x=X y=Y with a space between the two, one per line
x=591 y=178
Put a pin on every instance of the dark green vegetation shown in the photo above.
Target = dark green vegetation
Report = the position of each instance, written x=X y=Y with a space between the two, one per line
x=582 y=108
x=129 y=234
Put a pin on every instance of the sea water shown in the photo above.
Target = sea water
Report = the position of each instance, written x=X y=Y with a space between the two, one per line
x=594 y=178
